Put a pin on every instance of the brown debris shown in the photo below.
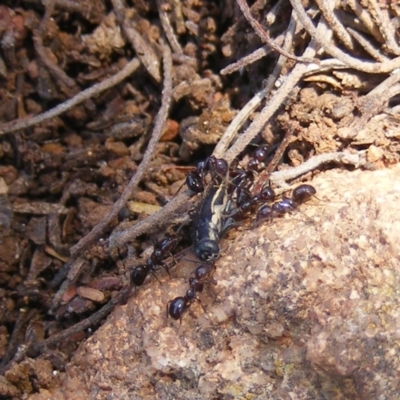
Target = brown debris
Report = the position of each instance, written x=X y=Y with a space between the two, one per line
x=90 y=294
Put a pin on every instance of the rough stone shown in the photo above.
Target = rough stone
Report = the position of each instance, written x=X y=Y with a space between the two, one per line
x=305 y=307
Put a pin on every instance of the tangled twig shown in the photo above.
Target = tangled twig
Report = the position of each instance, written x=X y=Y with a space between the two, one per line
x=334 y=51
x=264 y=35
x=169 y=32
x=245 y=112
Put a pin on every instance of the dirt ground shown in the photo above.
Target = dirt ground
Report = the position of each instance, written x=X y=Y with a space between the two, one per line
x=94 y=94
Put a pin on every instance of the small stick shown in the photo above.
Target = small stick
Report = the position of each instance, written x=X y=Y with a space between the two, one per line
x=245 y=112
x=160 y=119
x=280 y=177
x=169 y=32
x=264 y=35
x=144 y=51
x=23 y=123
x=264 y=175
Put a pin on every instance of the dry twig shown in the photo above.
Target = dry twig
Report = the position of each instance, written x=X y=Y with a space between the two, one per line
x=98 y=230
x=367 y=46
x=160 y=119
x=158 y=219
x=144 y=51
x=385 y=26
x=281 y=177
x=24 y=123
x=245 y=112
x=336 y=25
x=250 y=58
x=264 y=35
x=365 y=18
x=372 y=104
x=274 y=103
x=169 y=32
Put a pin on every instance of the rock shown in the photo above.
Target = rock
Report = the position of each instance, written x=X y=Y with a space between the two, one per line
x=304 y=308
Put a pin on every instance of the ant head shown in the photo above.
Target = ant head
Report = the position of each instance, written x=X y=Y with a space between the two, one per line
x=221 y=166
x=207 y=250
x=194 y=182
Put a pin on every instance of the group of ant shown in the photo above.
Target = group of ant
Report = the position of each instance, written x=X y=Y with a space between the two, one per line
x=227 y=197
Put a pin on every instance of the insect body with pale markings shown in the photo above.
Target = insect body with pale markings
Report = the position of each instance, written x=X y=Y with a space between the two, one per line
x=211 y=222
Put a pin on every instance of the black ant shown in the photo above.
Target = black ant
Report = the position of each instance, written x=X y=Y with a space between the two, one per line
x=264 y=212
x=300 y=195
x=260 y=155
x=267 y=194
x=140 y=272
x=245 y=202
x=216 y=167
x=242 y=178
x=194 y=181
x=177 y=306
x=303 y=193
x=161 y=250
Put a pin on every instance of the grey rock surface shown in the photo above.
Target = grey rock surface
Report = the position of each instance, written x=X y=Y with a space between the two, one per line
x=305 y=307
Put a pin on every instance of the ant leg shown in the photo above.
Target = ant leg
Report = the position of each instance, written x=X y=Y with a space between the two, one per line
x=179 y=189
x=230 y=210
x=228 y=224
x=204 y=309
x=175 y=263
x=167 y=308
x=155 y=276
x=165 y=266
